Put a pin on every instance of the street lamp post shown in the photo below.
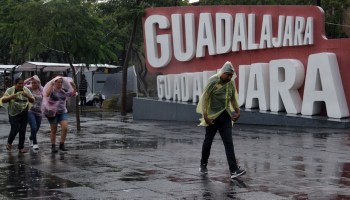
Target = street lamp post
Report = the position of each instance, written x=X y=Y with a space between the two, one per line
x=318 y=2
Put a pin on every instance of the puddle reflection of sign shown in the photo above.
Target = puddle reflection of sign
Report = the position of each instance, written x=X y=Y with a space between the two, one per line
x=283 y=58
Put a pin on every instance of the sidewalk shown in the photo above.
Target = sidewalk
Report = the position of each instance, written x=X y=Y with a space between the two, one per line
x=115 y=157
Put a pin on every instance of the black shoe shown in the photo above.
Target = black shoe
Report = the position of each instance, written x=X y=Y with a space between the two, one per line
x=237 y=173
x=203 y=169
x=62 y=148
x=53 y=149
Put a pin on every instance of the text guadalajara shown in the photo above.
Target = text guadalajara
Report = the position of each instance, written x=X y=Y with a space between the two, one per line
x=228 y=35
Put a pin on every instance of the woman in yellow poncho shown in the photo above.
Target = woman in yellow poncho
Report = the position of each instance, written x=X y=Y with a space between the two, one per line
x=216 y=105
x=17 y=99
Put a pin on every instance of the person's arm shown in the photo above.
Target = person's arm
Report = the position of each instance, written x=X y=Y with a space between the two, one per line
x=29 y=96
x=74 y=87
x=235 y=105
x=27 y=80
x=8 y=98
x=205 y=104
x=49 y=90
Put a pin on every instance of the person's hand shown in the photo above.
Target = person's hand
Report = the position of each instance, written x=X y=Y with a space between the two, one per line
x=25 y=94
x=235 y=116
x=28 y=96
x=14 y=96
x=208 y=120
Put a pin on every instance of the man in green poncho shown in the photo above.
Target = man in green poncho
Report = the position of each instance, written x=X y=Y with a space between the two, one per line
x=216 y=105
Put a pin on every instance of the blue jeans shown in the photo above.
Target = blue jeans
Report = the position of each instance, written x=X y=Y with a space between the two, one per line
x=18 y=125
x=223 y=124
x=34 y=123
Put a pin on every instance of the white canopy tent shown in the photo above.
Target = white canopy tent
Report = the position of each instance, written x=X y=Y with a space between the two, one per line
x=94 y=67
x=39 y=67
x=7 y=68
x=44 y=66
x=57 y=67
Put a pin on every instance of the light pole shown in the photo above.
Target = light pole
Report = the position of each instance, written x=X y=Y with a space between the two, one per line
x=318 y=3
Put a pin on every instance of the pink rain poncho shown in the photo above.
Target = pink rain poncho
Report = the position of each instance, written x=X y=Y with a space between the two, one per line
x=28 y=82
x=37 y=93
x=55 y=103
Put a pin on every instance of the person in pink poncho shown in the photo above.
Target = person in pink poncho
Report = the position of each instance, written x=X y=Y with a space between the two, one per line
x=54 y=107
x=34 y=114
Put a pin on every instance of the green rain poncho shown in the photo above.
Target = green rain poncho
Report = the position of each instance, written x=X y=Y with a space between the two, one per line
x=217 y=95
x=17 y=105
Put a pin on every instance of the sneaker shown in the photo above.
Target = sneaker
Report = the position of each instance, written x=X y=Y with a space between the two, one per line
x=30 y=142
x=203 y=169
x=22 y=150
x=62 y=148
x=237 y=173
x=36 y=147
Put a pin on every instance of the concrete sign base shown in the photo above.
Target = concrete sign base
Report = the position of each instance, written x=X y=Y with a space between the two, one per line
x=155 y=109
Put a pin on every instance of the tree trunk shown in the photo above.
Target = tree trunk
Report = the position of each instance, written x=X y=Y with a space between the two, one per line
x=77 y=98
x=125 y=68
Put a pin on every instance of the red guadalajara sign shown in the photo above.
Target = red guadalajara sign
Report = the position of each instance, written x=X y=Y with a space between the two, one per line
x=196 y=39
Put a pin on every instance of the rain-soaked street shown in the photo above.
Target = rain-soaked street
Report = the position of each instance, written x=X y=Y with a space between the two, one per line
x=115 y=157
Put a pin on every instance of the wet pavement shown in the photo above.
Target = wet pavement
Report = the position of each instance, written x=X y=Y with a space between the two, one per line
x=115 y=157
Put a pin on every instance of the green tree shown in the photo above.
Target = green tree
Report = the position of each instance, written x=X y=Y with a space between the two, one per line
x=334 y=10
x=123 y=20
x=68 y=27
x=6 y=24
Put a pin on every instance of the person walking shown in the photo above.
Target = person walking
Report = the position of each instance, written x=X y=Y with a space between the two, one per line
x=34 y=114
x=217 y=103
x=54 y=107
x=82 y=90
x=17 y=100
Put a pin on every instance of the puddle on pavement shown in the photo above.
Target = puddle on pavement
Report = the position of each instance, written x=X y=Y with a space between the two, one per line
x=321 y=135
x=118 y=144
x=141 y=175
x=22 y=181
x=126 y=138
x=114 y=130
x=111 y=115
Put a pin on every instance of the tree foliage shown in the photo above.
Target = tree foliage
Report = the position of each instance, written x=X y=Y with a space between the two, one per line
x=334 y=11
x=32 y=28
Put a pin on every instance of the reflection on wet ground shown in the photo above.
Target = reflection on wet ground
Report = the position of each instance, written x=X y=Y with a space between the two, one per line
x=114 y=157
x=20 y=180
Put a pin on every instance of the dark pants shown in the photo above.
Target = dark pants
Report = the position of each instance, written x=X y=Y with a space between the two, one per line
x=82 y=98
x=223 y=124
x=34 y=123
x=18 y=125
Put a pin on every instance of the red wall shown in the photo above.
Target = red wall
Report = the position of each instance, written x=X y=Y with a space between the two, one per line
x=321 y=44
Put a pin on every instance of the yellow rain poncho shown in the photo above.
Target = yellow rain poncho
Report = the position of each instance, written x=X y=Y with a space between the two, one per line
x=17 y=105
x=218 y=96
